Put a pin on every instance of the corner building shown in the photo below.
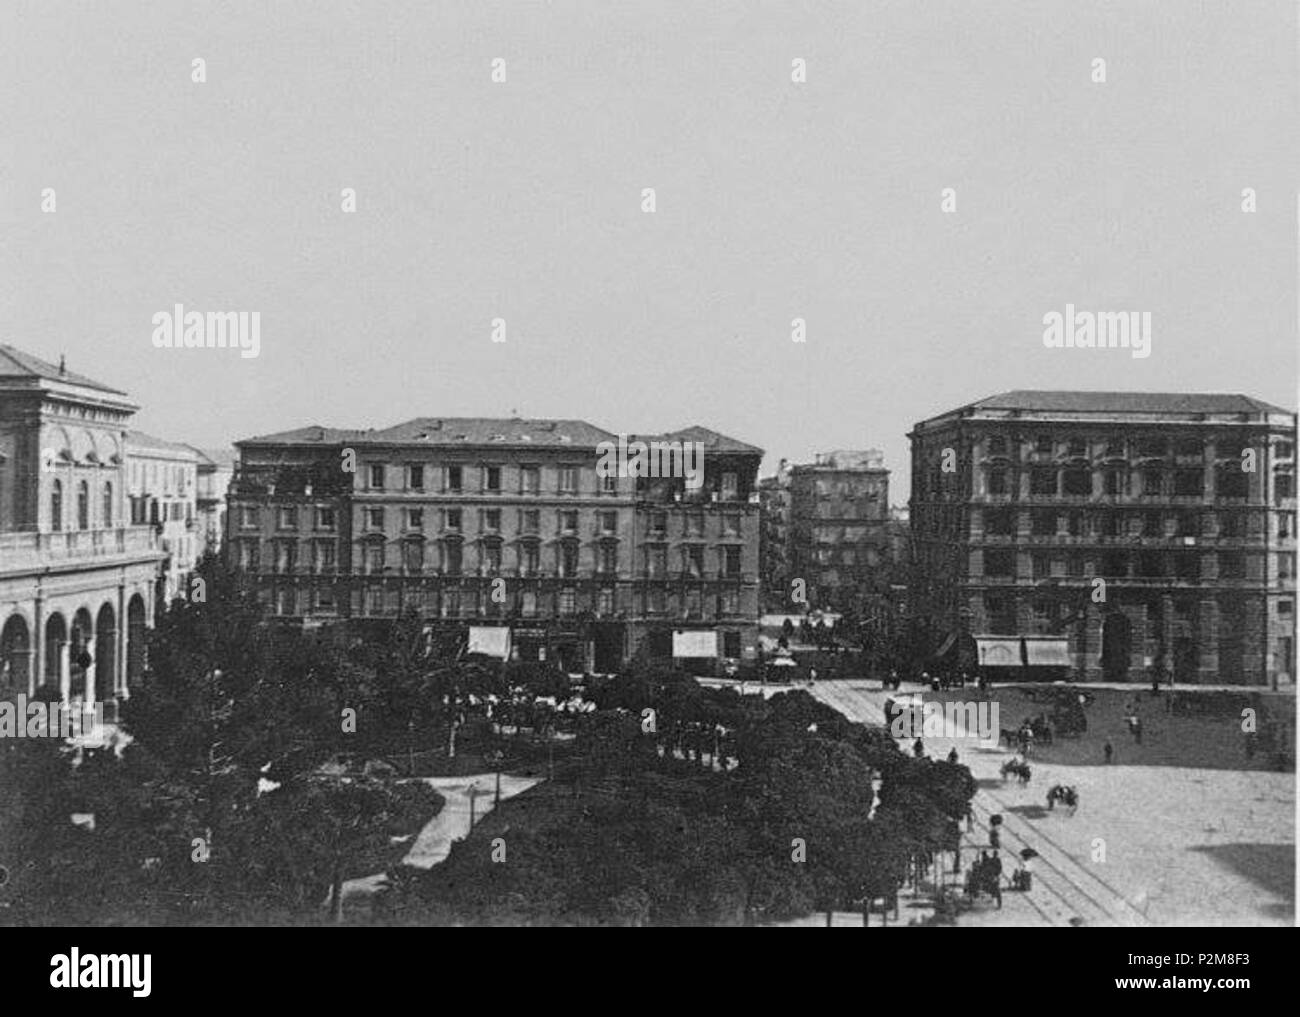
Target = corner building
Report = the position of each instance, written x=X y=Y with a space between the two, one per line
x=490 y=524
x=1184 y=505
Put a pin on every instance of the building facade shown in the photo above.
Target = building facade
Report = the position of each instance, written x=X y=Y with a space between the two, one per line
x=490 y=524
x=76 y=575
x=215 y=469
x=1154 y=533
x=162 y=479
x=774 y=539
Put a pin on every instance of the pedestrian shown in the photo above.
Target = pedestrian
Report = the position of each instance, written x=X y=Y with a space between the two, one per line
x=1109 y=749
x=1137 y=730
x=812 y=676
x=995 y=837
x=918 y=750
x=952 y=755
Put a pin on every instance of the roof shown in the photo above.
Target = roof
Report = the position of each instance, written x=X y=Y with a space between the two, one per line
x=138 y=441
x=218 y=457
x=1126 y=402
x=14 y=363
x=481 y=431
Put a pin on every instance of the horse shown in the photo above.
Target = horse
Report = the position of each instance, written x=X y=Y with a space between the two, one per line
x=1009 y=736
x=1064 y=794
x=1017 y=768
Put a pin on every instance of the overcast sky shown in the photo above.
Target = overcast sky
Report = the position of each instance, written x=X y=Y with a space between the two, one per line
x=522 y=200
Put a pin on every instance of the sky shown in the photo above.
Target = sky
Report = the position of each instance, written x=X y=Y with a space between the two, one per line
x=522 y=200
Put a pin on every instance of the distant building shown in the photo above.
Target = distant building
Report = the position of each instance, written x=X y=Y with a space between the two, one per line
x=774 y=539
x=1151 y=533
x=163 y=486
x=503 y=530
x=837 y=525
x=76 y=575
x=216 y=467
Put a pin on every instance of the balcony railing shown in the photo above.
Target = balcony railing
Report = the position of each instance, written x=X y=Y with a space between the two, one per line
x=23 y=551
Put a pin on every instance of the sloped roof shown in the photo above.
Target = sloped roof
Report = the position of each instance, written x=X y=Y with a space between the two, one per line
x=494 y=431
x=1126 y=402
x=14 y=363
x=712 y=440
x=148 y=443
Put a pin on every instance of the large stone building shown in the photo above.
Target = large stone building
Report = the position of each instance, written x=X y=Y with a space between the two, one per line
x=827 y=523
x=1149 y=533
x=503 y=528
x=76 y=576
x=162 y=478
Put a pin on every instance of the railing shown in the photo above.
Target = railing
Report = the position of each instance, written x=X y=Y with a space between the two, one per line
x=25 y=551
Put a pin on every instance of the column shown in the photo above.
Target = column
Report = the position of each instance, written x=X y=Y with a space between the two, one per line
x=1207 y=638
x=120 y=643
x=65 y=672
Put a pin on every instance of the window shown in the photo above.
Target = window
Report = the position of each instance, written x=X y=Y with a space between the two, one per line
x=1113 y=482
x=249 y=555
x=1074 y=566
x=374 y=557
x=1284 y=450
x=568 y=600
x=657 y=562
x=532 y=521
x=1231 y=526
x=609 y=483
x=1187 y=566
x=658 y=600
x=729 y=604
x=1152 y=448
x=247 y=517
x=492 y=557
x=731 y=562
x=415 y=519
x=528 y=604
x=569 y=521
x=375 y=518
x=56 y=505
x=568 y=480
x=453 y=558
x=1285 y=607
x=1074 y=523
x=1189 y=524
x=608 y=559
x=1153 y=524
x=108 y=505
x=492 y=519
x=730 y=486
x=1232 y=565
x=1043 y=523
x=324 y=518
x=1188 y=448
x=1043 y=444
x=693 y=561
x=731 y=524
x=608 y=522
x=377 y=476
x=1076 y=448
x=605 y=601
x=568 y=559
x=453 y=519
x=1286 y=524
x=998 y=563
x=1283 y=487
x=1189 y=483
x=1230 y=481
x=1001 y=613
x=1042 y=482
x=695 y=524
x=1042 y=566
x=1078 y=483
x=997 y=445
x=323 y=560
x=455 y=479
x=287 y=517
x=658 y=523
x=997 y=522
x=528 y=559
x=1115 y=565
x=415 y=477
x=1152 y=483
x=997 y=481
x=530 y=480
x=492 y=479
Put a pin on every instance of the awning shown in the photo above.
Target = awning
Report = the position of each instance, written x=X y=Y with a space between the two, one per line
x=694 y=643
x=998 y=652
x=494 y=641
x=1048 y=652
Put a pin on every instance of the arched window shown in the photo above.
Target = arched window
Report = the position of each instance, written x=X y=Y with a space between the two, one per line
x=83 y=506
x=56 y=506
x=108 y=504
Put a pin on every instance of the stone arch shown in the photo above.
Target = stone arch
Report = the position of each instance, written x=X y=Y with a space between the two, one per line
x=15 y=654
x=136 y=628
x=56 y=638
x=105 y=665
x=81 y=645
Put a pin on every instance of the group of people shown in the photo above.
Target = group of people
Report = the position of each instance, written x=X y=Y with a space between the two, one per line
x=985 y=876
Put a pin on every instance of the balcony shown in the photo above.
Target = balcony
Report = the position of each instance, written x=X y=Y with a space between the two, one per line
x=25 y=552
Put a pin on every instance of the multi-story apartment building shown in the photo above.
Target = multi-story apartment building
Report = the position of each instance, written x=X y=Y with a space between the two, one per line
x=774 y=538
x=839 y=524
x=215 y=468
x=1152 y=533
x=490 y=524
x=162 y=478
x=76 y=576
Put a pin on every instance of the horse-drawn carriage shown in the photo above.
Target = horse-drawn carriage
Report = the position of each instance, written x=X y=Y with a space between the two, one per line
x=1017 y=768
x=1066 y=795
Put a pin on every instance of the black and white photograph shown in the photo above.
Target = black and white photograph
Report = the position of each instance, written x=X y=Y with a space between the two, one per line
x=649 y=464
